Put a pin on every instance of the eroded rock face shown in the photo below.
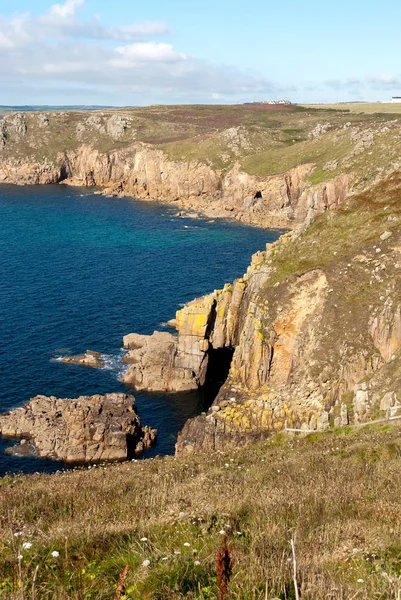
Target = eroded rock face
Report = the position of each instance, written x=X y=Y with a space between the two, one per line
x=153 y=367
x=82 y=430
x=312 y=351
x=144 y=171
x=163 y=362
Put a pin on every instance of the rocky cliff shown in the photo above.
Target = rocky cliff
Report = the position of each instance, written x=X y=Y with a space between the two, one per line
x=144 y=172
x=83 y=430
x=256 y=174
x=309 y=338
x=317 y=333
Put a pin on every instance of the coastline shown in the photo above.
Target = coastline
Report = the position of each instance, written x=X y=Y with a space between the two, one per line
x=188 y=241
x=285 y=200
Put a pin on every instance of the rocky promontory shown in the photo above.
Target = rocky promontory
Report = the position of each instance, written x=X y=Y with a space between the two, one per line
x=87 y=429
x=309 y=338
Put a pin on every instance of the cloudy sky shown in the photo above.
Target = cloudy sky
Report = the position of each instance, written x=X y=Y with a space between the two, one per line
x=126 y=52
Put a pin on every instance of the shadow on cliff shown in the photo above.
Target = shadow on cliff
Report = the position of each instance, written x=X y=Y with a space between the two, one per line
x=217 y=372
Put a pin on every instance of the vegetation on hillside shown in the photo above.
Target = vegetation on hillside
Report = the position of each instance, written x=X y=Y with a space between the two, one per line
x=262 y=139
x=160 y=523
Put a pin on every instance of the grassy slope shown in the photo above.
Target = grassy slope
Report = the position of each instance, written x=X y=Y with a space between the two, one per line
x=264 y=140
x=337 y=236
x=338 y=493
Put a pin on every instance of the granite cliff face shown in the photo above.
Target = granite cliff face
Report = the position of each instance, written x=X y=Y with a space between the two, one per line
x=301 y=341
x=83 y=430
x=310 y=336
x=142 y=170
x=314 y=347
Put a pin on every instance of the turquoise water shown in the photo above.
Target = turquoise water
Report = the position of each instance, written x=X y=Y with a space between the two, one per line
x=80 y=271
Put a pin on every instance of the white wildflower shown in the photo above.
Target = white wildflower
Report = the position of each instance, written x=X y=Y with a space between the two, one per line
x=222 y=532
x=26 y=546
x=144 y=539
x=360 y=581
x=55 y=554
x=239 y=532
x=20 y=557
x=177 y=551
x=146 y=563
x=187 y=544
x=197 y=562
x=17 y=533
x=165 y=558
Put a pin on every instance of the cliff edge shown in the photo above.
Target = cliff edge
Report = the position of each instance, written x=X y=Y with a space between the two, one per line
x=273 y=168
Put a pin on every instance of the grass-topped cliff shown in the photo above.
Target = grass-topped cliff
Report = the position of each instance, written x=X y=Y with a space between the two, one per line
x=258 y=163
x=317 y=331
x=337 y=494
x=313 y=333
x=263 y=139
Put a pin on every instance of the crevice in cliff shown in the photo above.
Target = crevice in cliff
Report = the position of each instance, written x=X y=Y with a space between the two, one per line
x=218 y=368
x=64 y=172
x=131 y=445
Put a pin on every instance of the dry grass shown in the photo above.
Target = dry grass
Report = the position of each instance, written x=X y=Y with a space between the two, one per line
x=360 y=107
x=338 y=493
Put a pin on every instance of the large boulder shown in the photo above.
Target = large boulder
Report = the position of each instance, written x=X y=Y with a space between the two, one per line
x=153 y=364
x=83 y=430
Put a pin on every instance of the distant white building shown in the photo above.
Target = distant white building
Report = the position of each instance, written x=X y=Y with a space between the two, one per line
x=281 y=102
x=395 y=99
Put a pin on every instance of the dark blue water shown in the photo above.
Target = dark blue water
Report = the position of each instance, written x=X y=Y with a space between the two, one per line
x=80 y=271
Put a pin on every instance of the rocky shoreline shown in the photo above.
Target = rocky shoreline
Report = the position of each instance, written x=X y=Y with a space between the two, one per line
x=291 y=343
x=274 y=345
x=88 y=429
x=143 y=171
x=279 y=201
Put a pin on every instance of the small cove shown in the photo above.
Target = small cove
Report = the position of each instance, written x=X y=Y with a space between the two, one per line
x=79 y=271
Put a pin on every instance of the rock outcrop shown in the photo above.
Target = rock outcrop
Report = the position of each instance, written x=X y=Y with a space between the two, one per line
x=83 y=430
x=91 y=358
x=152 y=363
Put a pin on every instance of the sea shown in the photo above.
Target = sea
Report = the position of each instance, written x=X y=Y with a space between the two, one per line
x=79 y=271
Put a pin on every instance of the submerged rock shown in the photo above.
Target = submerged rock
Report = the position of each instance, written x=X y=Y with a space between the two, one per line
x=89 y=359
x=86 y=429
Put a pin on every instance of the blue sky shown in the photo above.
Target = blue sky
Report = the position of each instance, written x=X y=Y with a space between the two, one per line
x=124 y=52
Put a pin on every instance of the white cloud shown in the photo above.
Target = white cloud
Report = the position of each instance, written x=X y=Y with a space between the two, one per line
x=61 y=48
x=146 y=51
x=67 y=9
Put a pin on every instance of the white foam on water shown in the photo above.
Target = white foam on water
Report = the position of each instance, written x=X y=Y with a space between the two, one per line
x=114 y=363
x=59 y=358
